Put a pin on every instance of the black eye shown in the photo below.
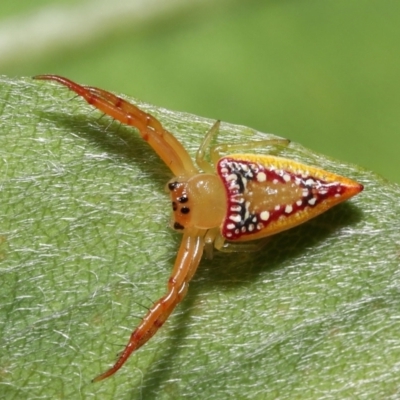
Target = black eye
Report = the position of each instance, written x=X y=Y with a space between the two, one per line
x=185 y=210
x=174 y=206
x=183 y=199
x=172 y=185
x=177 y=225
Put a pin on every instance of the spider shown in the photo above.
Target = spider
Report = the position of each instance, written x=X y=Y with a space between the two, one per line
x=225 y=204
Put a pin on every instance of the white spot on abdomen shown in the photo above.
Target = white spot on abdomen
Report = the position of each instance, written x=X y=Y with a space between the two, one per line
x=261 y=177
x=286 y=177
x=312 y=201
x=235 y=217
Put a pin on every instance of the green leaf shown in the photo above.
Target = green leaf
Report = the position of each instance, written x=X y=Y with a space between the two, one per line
x=84 y=241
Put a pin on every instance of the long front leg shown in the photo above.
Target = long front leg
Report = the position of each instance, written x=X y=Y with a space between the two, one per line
x=168 y=148
x=187 y=261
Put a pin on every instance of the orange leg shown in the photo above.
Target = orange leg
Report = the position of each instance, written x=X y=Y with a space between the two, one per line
x=163 y=142
x=187 y=261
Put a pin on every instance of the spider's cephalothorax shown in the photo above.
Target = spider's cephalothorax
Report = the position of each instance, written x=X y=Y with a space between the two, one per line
x=235 y=198
x=191 y=197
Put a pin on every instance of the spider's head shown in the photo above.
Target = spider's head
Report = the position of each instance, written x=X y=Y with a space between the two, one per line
x=199 y=201
x=181 y=204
